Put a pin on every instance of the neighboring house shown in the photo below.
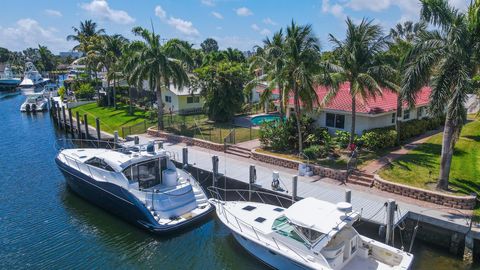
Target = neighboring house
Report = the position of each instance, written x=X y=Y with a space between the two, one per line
x=372 y=113
x=472 y=104
x=182 y=101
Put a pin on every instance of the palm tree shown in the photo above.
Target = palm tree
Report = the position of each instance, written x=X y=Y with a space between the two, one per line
x=407 y=31
x=448 y=60
x=108 y=53
x=159 y=64
x=87 y=29
x=302 y=63
x=357 y=57
x=270 y=59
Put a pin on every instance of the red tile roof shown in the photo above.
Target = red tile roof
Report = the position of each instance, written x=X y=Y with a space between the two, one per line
x=385 y=103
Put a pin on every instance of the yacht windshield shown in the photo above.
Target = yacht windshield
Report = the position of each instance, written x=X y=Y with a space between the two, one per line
x=283 y=227
x=147 y=173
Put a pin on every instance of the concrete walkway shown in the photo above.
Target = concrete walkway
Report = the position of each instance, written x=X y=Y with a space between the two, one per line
x=369 y=203
x=376 y=165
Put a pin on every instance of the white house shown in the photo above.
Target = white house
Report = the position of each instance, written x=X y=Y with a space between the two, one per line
x=370 y=113
x=182 y=101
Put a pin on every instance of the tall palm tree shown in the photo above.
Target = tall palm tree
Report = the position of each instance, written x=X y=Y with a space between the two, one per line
x=302 y=63
x=447 y=59
x=357 y=57
x=108 y=52
x=87 y=29
x=270 y=58
x=159 y=64
x=407 y=31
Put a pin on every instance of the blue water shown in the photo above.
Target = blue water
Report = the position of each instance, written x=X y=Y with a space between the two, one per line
x=43 y=225
x=258 y=120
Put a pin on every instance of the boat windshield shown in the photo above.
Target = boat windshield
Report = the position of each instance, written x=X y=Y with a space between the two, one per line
x=32 y=99
x=147 y=173
x=283 y=227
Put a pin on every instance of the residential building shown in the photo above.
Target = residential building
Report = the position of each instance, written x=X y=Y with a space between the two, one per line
x=182 y=101
x=370 y=113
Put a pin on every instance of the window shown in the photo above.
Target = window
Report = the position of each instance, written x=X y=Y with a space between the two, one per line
x=168 y=99
x=147 y=174
x=420 y=112
x=193 y=99
x=393 y=117
x=406 y=114
x=99 y=163
x=335 y=120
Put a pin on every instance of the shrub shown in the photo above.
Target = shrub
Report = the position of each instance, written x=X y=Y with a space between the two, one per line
x=315 y=151
x=151 y=114
x=378 y=139
x=342 y=138
x=85 y=91
x=61 y=92
x=275 y=135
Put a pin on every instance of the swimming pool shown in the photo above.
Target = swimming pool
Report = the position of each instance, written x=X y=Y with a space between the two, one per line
x=258 y=120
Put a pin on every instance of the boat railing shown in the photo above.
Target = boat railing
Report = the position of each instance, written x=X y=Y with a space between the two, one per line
x=93 y=172
x=243 y=226
x=250 y=195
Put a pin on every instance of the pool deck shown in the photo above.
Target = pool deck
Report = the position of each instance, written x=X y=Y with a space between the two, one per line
x=370 y=202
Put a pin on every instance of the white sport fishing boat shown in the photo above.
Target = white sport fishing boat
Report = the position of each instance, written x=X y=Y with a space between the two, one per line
x=32 y=78
x=34 y=103
x=7 y=78
x=310 y=234
x=139 y=184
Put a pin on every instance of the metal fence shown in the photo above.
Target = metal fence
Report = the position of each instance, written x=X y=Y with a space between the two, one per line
x=138 y=128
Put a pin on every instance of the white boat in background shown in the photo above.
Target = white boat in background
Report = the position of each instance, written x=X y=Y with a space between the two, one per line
x=34 y=103
x=310 y=234
x=32 y=78
x=7 y=78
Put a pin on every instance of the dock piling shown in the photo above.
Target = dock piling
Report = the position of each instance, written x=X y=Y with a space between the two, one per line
x=214 y=170
x=391 y=205
x=64 y=119
x=185 y=156
x=59 y=116
x=70 y=119
x=115 y=139
x=294 y=187
x=97 y=127
x=348 y=195
x=79 y=129
x=252 y=180
x=85 y=121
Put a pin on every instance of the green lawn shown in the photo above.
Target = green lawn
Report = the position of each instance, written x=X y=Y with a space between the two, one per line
x=111 y=119
x=196 y=126
x=420 y=167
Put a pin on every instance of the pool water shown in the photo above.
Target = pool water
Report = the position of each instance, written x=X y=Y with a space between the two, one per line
x=258 y=120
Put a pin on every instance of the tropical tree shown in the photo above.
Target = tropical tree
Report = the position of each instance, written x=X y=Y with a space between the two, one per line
x=234 y=55
x=108 y=52
x=209 y=45
x=47 y=58
x=221 y=84
x=447 y=59
x=87 y=29
x=358 y=64
x=302 y=63
x=407 y=31
x=159 y=64
x=271 y=59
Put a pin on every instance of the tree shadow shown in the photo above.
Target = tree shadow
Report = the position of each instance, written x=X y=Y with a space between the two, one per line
x=472 y=137
x=465 y=186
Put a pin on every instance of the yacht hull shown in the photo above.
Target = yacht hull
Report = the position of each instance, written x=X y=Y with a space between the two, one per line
x=267 y=256
x=117 y=201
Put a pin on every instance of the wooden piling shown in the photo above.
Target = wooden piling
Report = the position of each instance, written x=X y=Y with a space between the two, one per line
x=79 y=129
x=70 y=119
x=85 y=122
x=97 y=127
x=64 y=119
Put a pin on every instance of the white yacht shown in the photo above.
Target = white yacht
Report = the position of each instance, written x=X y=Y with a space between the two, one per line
x=34 y=103
x=7 y=78
x=32 y=78
x=310 y=234
x=139 y=183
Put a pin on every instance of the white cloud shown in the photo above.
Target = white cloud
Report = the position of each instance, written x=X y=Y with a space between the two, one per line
x=185 y=27
x=209 y=3
x=258 y=29
x=336 y=9
x=373 y=5
x=217 y=15
x=101 y=10
x=243 y=11
x=269 y=21
x=241 y=43
x=29 y=33
x=53 y=13
x=160 y=12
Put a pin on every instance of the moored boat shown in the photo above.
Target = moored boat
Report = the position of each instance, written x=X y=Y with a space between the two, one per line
x=7 y=78
x=32 y=78
x=139 y=184
x=310 y=234
x=34 y=103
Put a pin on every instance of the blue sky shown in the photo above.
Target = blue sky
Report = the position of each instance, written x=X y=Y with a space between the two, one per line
x=233 y=23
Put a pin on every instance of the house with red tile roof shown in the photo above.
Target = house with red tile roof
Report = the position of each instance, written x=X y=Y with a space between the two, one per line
x=373 y=112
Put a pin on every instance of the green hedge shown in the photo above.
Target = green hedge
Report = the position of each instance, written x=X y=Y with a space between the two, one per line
x=380 y=138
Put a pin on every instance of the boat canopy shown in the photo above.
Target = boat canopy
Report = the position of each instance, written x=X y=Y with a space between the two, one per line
x=319 y=215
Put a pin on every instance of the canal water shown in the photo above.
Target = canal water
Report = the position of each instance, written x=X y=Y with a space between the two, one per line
x=43 y=225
